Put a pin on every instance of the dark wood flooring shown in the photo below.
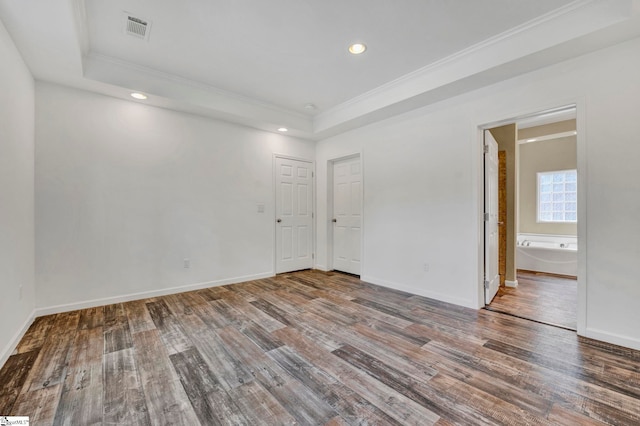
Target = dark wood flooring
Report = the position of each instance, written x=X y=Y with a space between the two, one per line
x=311 y=348
x=546 y=298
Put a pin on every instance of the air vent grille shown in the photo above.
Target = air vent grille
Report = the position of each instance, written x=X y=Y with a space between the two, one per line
x=136 y=27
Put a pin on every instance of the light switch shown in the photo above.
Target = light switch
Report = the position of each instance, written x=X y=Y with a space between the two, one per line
x=260 y=207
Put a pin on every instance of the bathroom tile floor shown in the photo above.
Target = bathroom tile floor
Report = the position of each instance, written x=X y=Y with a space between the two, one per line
x=540 y=297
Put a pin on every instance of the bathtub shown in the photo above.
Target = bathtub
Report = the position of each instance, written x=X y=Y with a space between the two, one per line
x=555 y=254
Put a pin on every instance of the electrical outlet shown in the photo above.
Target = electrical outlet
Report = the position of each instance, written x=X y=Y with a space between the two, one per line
x=425 y=267
x=187 y=263
x=20 y=292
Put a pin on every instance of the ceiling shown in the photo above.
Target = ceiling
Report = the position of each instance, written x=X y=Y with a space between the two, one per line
x=261 y=63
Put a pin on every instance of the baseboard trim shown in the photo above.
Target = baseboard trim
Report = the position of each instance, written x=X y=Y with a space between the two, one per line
x=11 y=345
x=616 y=339
x=512 y=284
x=146 y=294
x=321 y=268
x=430 y=294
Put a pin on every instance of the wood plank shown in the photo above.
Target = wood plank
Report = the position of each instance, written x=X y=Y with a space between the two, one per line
x=259 y=406
x=124 y=401
x=117 y=335
x=491 y=408
x=211 y=403
x=272 y=310
x=249 y=311
x=284 y=302
x=534 y=382
x=330 y=312
x=212 y=315
x=317 y=329
x=39 y=405
x=617 y=384
x=402 y=409
x=336 y=421
x=490 y=375
x=226 y=310
x=402 y=333
x=387 y=348
x=91 y=318
x=351 y=407
x=171 y=331
x=313 y=348
x=183 y=303
x=138 y=316
x=214 y=293
x=229 y=371
x=300 y=402
x=165 y=397
x=36 y=335
x=260 y=336
x=407 y=386
x=81 y=398
x=541 y=297
x=562 y=416
x=49 y=369
x=13 y=375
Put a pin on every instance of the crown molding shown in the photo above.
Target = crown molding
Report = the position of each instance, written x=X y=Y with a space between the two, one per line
x=505 y=55
x=177 y=79
x=208 y=100
x=576 y=19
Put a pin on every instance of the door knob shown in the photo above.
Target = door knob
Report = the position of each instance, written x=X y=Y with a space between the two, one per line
x=334 y=220
x=279 y=220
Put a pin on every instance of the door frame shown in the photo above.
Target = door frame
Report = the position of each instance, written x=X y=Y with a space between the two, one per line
x=581 y=146
x=330 y=165
x=274 y=183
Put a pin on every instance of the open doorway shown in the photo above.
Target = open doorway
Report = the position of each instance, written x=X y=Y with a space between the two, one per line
x=537 y=218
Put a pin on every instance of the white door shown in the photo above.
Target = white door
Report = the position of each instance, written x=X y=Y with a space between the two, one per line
x=492 y=277
x=347 y=215
x=294 y=220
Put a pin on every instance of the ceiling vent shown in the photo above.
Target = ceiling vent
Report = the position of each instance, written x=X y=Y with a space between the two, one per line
x=136 y=27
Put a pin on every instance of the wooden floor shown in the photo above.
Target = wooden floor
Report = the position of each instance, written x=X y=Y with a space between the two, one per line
x=311 y=348
x=541 y=297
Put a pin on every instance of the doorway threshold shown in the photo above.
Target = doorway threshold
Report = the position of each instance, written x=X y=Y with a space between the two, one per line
x=489 y=308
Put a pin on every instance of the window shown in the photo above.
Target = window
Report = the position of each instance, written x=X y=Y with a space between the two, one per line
x=558 y=196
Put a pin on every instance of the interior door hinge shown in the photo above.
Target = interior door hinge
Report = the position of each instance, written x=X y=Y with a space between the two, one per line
x=486 y=284
x=312 y=174
x=485 y=149
x=313 y=255
x=486 y=217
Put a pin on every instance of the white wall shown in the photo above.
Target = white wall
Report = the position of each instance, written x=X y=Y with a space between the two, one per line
x=16 y=195
x=422 y=188
x=125 y=192
x=414 y=211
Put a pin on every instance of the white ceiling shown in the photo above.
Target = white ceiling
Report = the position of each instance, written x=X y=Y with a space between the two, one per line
x=292 y=52
x=259 y=62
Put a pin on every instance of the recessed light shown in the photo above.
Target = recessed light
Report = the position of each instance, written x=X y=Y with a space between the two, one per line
x=283 y=129
x=138 y=95
x=357 y=48
x=575 y=132
x=310 y=106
